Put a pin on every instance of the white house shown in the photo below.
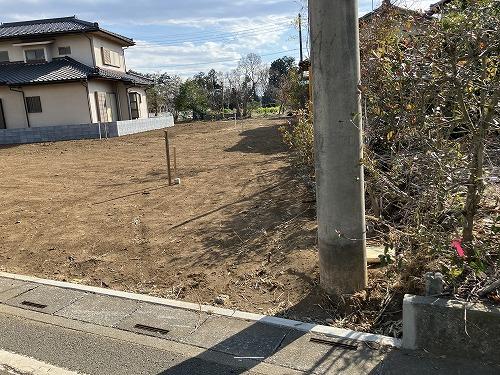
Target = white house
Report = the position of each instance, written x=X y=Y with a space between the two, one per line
x=65 y=71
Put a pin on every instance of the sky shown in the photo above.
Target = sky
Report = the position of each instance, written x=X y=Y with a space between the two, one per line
x=184 y=37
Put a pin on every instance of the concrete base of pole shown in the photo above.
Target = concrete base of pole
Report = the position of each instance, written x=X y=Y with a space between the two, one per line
x=341 y=271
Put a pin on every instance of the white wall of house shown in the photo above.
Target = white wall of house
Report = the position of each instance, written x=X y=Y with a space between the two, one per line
x=121 y=92
x=16 y=50
x=99 y=44
x=71 y=103
x=79 y=45
x=80 y=48
x=13 y=108
x=123 y=101
x=62 y=104
x=106 y=87
x=15 y=53
x=66 y=104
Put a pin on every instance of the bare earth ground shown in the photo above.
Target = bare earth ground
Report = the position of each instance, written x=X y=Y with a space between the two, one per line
x=100 y=212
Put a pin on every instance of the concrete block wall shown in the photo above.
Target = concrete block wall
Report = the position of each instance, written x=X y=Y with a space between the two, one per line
x=452 y=328
x=49 y=134
x=82 y=131
x=142 y=125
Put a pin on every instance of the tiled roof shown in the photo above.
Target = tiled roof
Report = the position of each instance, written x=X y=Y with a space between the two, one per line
x=52 y=26
x=436 y=7
x=61 y=70
x=130 y=76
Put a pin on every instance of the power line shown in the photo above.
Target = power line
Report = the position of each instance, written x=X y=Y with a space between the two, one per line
x=224 y=31
x=220 y=38
x=205 y=34
x=211 y=62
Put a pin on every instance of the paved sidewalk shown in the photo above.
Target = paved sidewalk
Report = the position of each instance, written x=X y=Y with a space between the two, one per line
x=100 y=331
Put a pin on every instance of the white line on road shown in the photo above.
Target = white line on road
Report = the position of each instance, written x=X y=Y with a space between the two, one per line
x=20 y=365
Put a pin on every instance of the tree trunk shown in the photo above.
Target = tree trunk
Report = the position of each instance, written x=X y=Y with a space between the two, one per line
x=475 y=183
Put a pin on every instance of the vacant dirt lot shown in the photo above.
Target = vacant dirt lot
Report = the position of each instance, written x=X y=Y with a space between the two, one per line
x=100 y=212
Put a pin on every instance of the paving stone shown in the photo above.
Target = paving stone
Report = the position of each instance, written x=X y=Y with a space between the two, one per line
x=238 y=337
x=53 y=298
x=13 y=288
x=98 y=309
x=178 y=322
x=298 y=352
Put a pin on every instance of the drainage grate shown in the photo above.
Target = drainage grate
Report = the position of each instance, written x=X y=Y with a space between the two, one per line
x=151 y=329
x=334 y=343
x=33 y=304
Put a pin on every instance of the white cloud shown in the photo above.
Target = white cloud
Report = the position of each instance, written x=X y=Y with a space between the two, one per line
x=188 y=37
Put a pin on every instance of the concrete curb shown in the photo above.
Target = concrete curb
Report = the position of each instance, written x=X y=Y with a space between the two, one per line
x=26 y=365
x=451 y=328
x=301 y=326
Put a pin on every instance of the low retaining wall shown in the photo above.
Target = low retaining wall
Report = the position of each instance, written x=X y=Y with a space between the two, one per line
x=117 y=129
x=452 y=328
x=83 y=131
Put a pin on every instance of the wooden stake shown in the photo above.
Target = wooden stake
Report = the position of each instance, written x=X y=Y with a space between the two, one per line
x=168 y=159
x=175 y=162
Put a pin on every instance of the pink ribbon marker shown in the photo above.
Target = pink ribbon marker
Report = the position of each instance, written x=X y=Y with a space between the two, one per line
x=456 y=245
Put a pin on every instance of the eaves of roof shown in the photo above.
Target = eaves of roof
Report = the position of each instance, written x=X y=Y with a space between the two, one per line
x=436 y=7
x=388 y=8
x=55 y=26
x=60 y=70
x=130 y=77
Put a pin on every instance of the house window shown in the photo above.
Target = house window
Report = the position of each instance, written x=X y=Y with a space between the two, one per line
x=33 y=104
x=35 y=55
x=135 y=103
x=110 y=57
x=4 y=56
x=65 y=50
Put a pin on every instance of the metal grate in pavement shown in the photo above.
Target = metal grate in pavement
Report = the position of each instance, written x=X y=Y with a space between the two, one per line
x=33 y=304
x=151 y=329
x=336 y=344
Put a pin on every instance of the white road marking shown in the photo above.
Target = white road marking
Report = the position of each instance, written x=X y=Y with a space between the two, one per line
x=21 y=365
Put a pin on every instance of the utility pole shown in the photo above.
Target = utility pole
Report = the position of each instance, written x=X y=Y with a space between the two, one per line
x=300 y=38
x=338 y=145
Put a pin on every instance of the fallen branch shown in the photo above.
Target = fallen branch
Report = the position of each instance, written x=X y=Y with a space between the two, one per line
x=489 y=288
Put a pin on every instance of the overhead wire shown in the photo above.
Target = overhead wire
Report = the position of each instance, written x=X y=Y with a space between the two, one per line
x=220 y=37
x=217 y=36
x=239 y=29
x=216 y=61
x=225 y=31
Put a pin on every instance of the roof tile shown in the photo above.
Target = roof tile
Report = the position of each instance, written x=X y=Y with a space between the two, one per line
x=52 y=26
x=61 y=70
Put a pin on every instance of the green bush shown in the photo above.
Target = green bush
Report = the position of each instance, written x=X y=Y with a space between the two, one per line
x=267 y=111
x=299 y=137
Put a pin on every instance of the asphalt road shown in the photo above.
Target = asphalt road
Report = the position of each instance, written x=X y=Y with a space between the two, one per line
x=89 y=333
x=91 y=353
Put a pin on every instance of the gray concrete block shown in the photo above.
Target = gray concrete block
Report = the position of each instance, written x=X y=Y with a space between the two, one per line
x=13 y=288
x=53 y=298
x=452 y=328
x=298 y=352
x=179 y=323
x=238 y=337
x=86 y=131
x=98 y=309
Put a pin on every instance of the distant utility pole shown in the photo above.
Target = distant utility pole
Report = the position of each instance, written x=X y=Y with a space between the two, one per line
x=300 y=38
x=338 y=145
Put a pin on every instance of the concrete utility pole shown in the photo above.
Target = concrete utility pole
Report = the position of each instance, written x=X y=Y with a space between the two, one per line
x=300 y=38
x=338 y=145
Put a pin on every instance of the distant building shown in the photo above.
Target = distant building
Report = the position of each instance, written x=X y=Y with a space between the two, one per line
x=65 y=71
x=387 y=9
